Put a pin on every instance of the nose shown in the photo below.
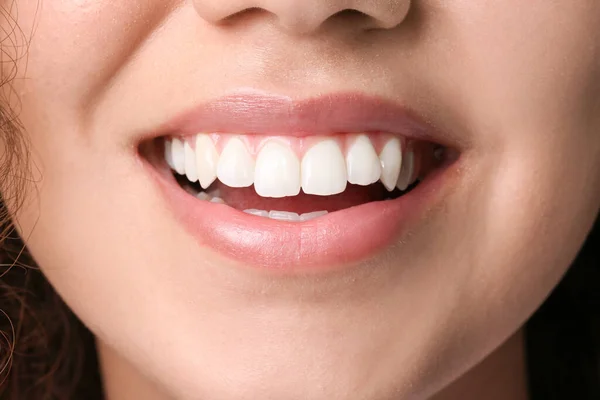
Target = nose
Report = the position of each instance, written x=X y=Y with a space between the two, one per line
x=307 y=16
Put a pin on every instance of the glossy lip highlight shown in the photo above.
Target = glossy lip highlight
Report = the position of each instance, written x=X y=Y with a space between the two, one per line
x=328 y=242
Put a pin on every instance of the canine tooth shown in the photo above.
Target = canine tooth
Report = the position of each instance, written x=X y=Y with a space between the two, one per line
x=258 y=213
x=178 y=156
x=313 y=215
x=203 y=196
x=391 y=162
x=236 y=166
x=362 y=162
x=324 y=169
x=284 y=216
x=217 y=200
x=190 y=163
x=207 y=160
x=277 y=171
x=169 y=154
x=408 y=170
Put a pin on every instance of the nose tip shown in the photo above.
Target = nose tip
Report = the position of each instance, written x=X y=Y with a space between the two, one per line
x=307 y=16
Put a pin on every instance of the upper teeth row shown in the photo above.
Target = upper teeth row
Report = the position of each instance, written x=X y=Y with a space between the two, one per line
x=277 y=171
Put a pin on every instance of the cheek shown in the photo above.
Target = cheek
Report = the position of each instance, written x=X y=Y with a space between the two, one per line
x=534 y=87
x=521 y=219
x=78 y=46
x=532 y=186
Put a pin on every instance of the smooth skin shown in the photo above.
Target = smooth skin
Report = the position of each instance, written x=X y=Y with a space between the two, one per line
x=518 y=80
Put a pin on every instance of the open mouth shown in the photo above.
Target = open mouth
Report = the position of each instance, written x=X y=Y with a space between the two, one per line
x=298 y=179
x=295 y=200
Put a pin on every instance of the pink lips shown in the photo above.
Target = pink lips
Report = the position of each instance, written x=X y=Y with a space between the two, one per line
x=251 y=112
x=335 y=240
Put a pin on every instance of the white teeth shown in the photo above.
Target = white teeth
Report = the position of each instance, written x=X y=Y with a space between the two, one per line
x=324 y=169
x=169 y=154
x=212 y=197
x=406 y=177
x=313 y=215
x=284 y=216
x=207 y=160
x=258 y=213
x=236 y=165
x=190 y=163
x=178 y=156
x=364 y=167
x=203 y=196
x=391 y=162
x=277 y=172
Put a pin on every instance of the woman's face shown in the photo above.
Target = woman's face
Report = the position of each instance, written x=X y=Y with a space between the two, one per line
x=391 y=297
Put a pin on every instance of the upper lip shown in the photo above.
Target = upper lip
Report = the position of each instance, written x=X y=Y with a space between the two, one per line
x=252 y=112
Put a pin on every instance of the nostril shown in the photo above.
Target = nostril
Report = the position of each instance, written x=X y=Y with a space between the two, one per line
x=248 y=13
x=346 y=19
x=350 y=13
x=354 y=19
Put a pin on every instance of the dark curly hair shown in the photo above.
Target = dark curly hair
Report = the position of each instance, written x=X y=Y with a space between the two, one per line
x=45 y=352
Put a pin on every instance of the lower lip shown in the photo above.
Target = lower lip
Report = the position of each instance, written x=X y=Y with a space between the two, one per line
x=330 y=242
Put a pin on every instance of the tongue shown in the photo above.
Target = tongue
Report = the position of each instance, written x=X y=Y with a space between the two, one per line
x=246 y=198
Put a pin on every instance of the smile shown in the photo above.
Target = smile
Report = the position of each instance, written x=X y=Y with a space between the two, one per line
x=287 y=198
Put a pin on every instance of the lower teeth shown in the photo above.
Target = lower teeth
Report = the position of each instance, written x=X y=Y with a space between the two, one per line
x=276 y=215
x=286 y=216
x=213 y=196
